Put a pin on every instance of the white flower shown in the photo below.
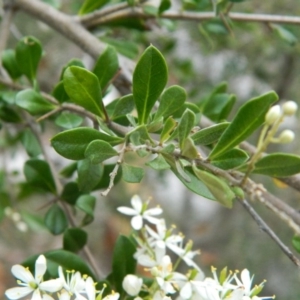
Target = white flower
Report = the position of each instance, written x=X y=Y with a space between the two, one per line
x=132 y=284
x=30 y=283
x=140 y=212
x=90 y=288
x=74 y=284
x=113 y=296
x=286 y=136
x=273 y=114
x=289 y=108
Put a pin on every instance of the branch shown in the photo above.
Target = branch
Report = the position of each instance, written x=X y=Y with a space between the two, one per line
x=187 y=16
x=264 y=227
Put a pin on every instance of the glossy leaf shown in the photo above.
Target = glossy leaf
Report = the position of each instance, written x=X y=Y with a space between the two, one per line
x=98 y=151
x=30 y=143
x=248 y=118
x=149 y=79
x=164 y=5
x=169 y=126
x=89 y=175
x=10 y=64
x=132 y=174
x=56 y=220
x=91 y=5
x=158 y=163
x=28 y=55
x=230 y=159
x=9 y=115
x=72 y=143
x=209 y=135
x=185 y=126
x=193 y=184
x=278 y=165
x=38 y=174
x=124 y=106
x=83 y=88
x=106 y=66
x=123 y=261
x=33 y=102
x=66 y=259
x=219 y=188
x=71 y=192
x=171 y=100
x=87 y=204
x=74 y=239
x=72 y=62
x=68 y=120
x=68 y=170
x=59 y=93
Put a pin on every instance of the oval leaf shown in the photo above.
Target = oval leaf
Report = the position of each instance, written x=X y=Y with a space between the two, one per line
x=278 y=165
x=68 y=120
x=33 y=102
x=83 y=87
x=249 y=117
x=72 y=143
x=185 y=126
x=98 y=151
x=132 y=174
x=87 y=204
x=56 y=220
x=28 y=55
x=10 y=64
x=74 y=239
x=149 y=79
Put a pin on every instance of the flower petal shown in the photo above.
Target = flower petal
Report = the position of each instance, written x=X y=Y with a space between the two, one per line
x=137 y=203
x=153 y=211
x=36 y=295
x=51 y=286
x=40 y=268
x=18 y=292
x=22 y=273
x=127 y=211
x=137 y=222
x=90 y=288
x=186 y=291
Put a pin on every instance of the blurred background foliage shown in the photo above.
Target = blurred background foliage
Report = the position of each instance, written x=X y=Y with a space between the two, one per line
x=252 y=58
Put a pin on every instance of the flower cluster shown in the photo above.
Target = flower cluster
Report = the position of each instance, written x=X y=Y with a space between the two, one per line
x=71 y=286
x=153 y=247
x=154 y=243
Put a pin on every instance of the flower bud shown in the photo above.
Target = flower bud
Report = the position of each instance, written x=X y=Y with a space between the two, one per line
x=132 y=284
x=289 y=108
x=286 y=136
x=273 y=114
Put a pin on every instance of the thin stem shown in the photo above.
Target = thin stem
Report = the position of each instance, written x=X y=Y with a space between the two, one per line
x=264 y=227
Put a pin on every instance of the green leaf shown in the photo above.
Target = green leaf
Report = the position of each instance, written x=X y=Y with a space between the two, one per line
x=189 y=150
x=278 y=165
x=123 y=106
x=74 y=239
x=140 y=135
x=72 y=62
x=33 y=102
x=59 y=93
x=66 y=259
x=98 y=151
x=83 y=88
x=194 y=184
x=171 y=100
x=158 y=163
x=248 y=118
x=185 y=126
x=89 y=175
x=87 y=204
x=72 y=143
x=219 y=106
x=296 y=243
x=9 y=115
x=169 y=126
x=105 y=180
x=71 y=192
x=132 y=174
x=209 y=135
x=164 y=5
x=38 y=174
x=30 y=143
x=56 y=220
x=10 y=64
x=28 y=55
x=285 y=34
x=219 y=188
x=91 y=5
x=68 y=120
x=123 y=262
x=149 y=79
x=230 y=159
x=106 y=66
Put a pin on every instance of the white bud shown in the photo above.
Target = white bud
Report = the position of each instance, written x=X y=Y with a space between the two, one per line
x=22 y=226
x=286 y=136
x=273 y=114
x=289 y=108
x=132 y=284
x=16 y=217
